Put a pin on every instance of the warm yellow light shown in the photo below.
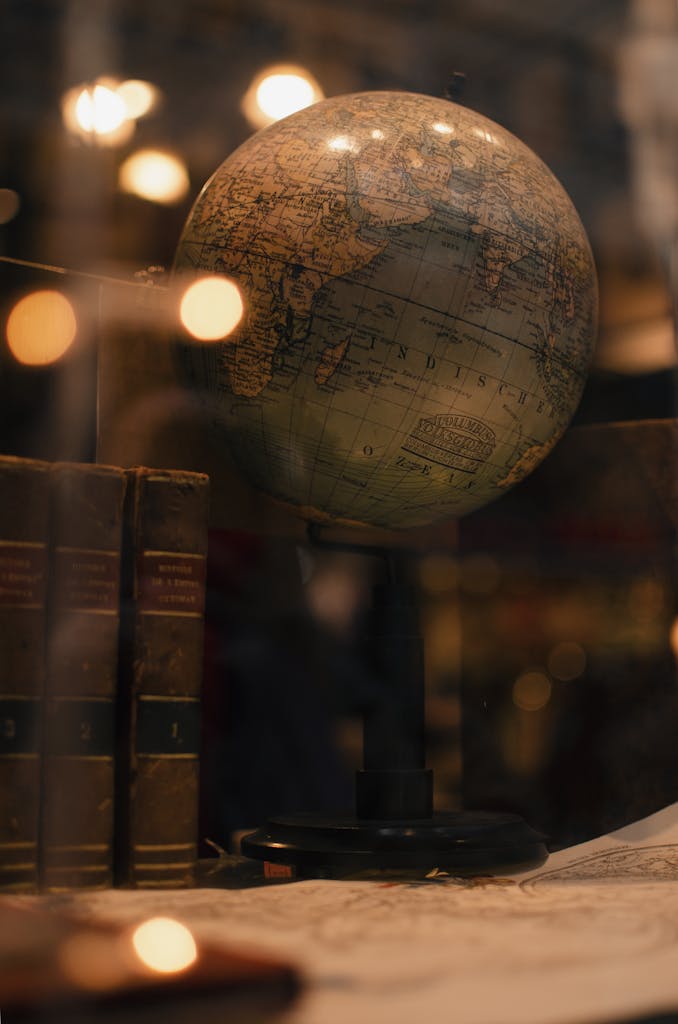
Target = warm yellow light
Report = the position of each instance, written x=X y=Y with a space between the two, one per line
x=211 y=308
x=95 y=112
x=40 y=328
x=164 y=945
x=673 y=638
x=154 y=175
x=138 y=97
x=567 y=660
x=9 y=204
x=645 y=347
x=280 y=95
x=532 y=691
x=100 y=110
x=377 y=134
x=279 y=91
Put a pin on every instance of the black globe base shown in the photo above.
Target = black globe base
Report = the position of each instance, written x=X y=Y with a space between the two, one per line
x=460 y=843
x=395 y=828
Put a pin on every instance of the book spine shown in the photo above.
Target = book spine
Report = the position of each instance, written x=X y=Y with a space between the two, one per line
x=82 y=652
x=161 y=660
x=23 y=576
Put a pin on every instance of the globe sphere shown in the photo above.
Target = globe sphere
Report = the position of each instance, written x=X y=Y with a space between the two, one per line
x=420 y=309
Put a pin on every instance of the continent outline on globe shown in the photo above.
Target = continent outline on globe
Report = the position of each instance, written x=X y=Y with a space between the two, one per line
x=421 y=308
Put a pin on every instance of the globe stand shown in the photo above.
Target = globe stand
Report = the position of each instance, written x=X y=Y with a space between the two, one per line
x=395 y=827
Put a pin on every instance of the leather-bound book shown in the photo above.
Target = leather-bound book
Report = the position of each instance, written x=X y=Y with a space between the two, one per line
x=76 y=842
x=23 y=576
x=161 y=655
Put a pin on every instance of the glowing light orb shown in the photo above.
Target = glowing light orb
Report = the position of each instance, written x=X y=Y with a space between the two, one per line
x=41 y=328
x=211 y=308
x=164 y=945
x=155 y=175
x=532 y=691
x=279 y=91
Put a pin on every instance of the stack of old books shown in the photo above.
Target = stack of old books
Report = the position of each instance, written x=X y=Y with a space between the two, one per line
x=102 y=585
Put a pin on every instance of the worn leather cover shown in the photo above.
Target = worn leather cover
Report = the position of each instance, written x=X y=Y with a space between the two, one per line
x=23 y=572
x=83 y=619
x=160 y=676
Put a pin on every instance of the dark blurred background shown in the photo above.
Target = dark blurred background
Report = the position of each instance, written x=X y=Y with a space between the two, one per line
x=592 y=88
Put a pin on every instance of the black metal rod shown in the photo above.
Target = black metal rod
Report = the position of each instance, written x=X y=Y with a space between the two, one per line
x=394 y=782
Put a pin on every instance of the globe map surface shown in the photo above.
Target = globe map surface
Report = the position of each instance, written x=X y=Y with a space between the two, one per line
x=420 y=309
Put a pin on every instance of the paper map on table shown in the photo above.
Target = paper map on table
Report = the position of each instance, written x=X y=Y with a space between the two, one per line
x=591 y=936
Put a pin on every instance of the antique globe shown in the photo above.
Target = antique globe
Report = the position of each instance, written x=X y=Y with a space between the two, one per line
x=420 y=309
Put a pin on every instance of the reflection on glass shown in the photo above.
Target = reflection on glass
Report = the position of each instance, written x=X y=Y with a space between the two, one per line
x=532 y=691
x=279 y=91
x=443 y=129
x=211 y=308
x=567 y=660
x=164 y=945
x=155 y=175
x=41 y=328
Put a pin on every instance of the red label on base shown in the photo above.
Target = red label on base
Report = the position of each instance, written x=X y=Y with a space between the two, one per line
x=272 y=870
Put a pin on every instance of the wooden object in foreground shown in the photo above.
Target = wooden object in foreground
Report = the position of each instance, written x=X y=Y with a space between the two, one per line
x=23 y=573
x=83 y=617
x=161 y=653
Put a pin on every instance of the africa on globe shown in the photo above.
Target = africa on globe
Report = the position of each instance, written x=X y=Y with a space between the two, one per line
x=420 y=309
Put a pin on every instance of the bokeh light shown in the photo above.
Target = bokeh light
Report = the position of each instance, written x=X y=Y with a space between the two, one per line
x=646 y=600
x=211 y=308
x=532 y=690
x=673 y=638
x=480 y=574
x=97 y=113
x=106 y=110
x=279 y=91
x=156 y=175
x=567 y=660
x=139 y=97
x=164 y=945
x=100 y=110
x=439 y=574
x=41 y=328
x=9 y=204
